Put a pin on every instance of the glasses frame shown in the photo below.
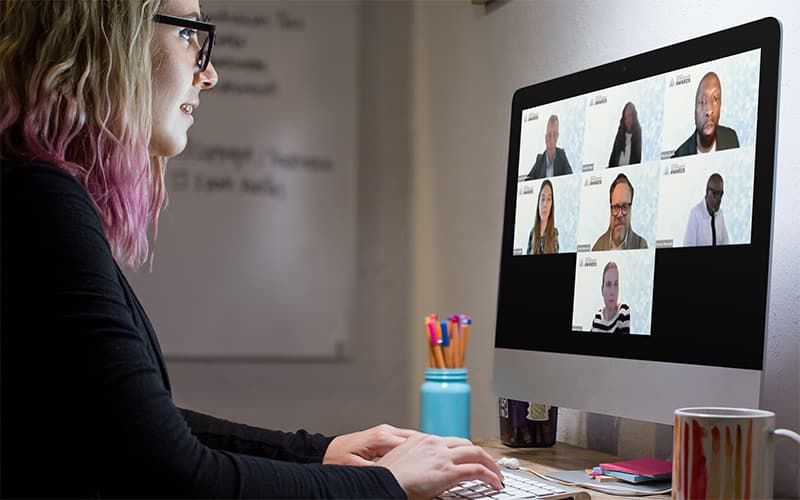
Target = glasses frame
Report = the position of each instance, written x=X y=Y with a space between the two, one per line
x=625 y=208
x=715 y=193
x=204 y=56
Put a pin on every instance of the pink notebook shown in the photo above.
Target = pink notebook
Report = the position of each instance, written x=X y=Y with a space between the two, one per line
x=647 y=466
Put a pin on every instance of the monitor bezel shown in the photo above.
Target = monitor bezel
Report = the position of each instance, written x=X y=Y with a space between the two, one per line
x=747 y=352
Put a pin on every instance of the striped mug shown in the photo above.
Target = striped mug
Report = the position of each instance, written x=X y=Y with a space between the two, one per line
x=724 y=453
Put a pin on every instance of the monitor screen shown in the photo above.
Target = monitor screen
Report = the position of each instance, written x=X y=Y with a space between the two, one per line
x=637 y=229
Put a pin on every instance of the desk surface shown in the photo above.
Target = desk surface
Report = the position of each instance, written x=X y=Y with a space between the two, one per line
x=561 y=456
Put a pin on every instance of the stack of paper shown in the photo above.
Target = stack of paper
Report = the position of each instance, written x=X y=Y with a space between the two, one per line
x=639 y=470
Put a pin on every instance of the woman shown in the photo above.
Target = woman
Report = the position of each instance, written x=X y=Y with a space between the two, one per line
x=96 y=95
x=544 y=235
x=613 y=317
x=627 y=148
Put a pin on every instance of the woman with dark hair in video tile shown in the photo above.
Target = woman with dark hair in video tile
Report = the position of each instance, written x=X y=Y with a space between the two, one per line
x=544 y=235
x=627 y=148
x=613 y=317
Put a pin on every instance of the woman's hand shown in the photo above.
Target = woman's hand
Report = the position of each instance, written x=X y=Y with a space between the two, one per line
x=361 y=448
x=426 y=465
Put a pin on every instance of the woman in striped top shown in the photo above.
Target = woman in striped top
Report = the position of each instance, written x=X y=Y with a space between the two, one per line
x=613 y=317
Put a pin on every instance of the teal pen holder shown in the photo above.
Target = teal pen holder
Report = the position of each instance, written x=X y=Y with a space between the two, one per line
x=444 y=402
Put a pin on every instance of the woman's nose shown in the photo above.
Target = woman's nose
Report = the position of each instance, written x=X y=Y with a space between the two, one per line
x=208 y=78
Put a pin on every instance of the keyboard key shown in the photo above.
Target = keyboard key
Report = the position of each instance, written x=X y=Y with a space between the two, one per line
x=504 y=496
x=474 y=494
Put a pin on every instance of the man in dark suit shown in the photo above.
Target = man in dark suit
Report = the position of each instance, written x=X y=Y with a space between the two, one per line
x=709 y=135
x=553 y=161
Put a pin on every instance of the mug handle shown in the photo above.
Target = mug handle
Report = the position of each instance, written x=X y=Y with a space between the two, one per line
x=788 y=434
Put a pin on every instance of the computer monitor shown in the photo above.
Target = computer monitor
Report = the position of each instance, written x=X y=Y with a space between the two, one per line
x=636 y=240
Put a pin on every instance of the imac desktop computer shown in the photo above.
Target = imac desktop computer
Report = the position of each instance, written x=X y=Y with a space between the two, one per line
x=635 y=262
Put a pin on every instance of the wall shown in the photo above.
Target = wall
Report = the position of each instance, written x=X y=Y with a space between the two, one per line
x=468 y=60
x=266 y=184
x=371 y=386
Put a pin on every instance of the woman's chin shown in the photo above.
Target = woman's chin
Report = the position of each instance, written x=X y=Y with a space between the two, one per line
x=170 y=148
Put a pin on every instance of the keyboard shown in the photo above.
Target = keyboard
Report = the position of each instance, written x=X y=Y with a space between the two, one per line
x=518 y=485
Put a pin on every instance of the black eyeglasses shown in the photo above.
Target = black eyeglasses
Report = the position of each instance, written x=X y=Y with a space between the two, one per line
x=204 y=56
x=624 y=207
x=717 y=193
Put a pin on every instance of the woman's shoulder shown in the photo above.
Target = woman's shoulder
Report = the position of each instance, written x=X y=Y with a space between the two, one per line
x=32 y=188
x=35 y=173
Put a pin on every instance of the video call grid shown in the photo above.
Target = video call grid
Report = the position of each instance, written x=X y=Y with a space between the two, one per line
x=669 y=181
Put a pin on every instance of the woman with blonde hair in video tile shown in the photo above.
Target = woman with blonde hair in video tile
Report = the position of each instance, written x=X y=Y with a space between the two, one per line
x=613 y=317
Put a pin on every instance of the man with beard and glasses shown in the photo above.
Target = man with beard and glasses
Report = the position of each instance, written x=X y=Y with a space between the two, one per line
x=619 y=235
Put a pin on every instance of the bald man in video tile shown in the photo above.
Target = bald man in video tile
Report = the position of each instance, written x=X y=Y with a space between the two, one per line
x=709 y=135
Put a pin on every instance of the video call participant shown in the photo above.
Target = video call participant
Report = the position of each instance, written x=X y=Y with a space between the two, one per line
x=706 y=226
x=553 y=161
x=619 y=235
x=87 y=407
x=613 y=317
x=709 y=135
x=544 y=234
x=627 y=148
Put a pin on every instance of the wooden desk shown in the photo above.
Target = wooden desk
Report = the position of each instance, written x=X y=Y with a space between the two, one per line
x=559 y=457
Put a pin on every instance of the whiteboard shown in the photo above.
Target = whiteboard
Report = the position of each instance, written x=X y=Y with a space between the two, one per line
x=255 y=254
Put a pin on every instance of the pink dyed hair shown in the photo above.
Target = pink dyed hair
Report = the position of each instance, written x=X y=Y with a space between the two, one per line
x=76 y=91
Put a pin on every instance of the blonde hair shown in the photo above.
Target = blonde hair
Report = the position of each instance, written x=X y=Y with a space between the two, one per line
x=610 y=265
x=75 y=80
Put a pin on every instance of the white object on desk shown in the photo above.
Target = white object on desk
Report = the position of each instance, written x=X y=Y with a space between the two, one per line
x=511 y=463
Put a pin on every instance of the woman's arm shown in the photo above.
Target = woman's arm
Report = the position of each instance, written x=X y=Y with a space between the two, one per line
x=222 y=434
x=92 y=415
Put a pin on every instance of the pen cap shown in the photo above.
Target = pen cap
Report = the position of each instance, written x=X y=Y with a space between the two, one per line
x=445 y=402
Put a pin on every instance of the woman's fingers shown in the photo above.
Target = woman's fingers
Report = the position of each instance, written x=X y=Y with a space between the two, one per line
x=476 y=455
x=454 y=442
x=384 y=438
x=470 y=471
x=426 y=465
x=405 y=433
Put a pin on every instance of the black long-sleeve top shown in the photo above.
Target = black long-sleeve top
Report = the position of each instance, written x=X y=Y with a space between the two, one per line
x=86 y=403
